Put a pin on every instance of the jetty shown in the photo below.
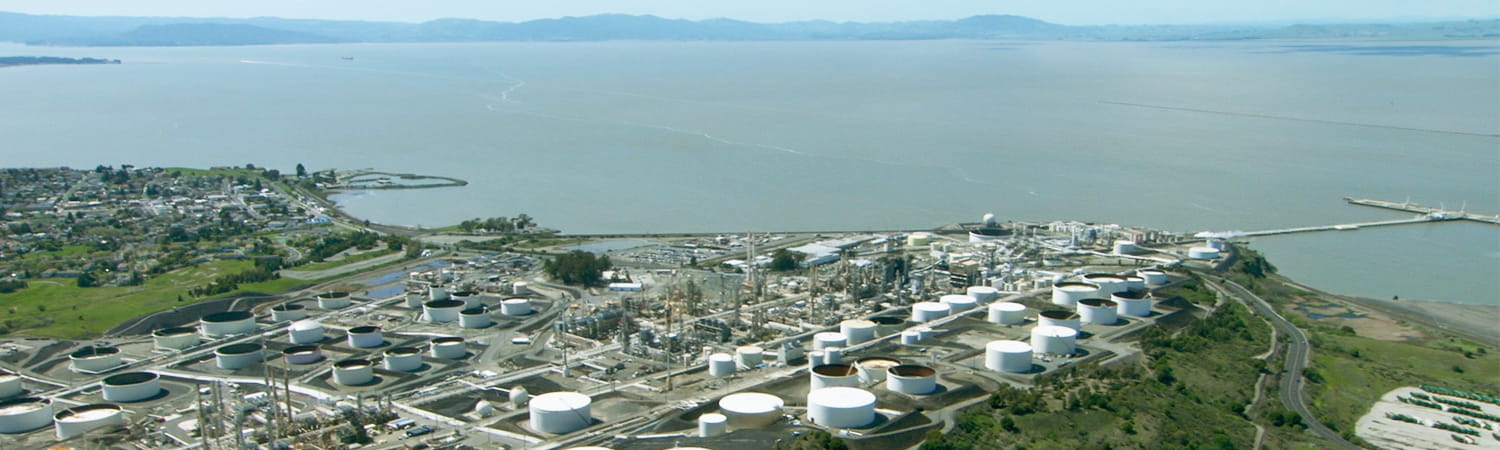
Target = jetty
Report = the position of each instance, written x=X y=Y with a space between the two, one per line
x=1425 y=214
x=1436 y=213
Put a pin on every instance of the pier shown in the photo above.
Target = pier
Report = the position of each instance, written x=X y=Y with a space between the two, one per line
x=1340 y=227
x=1437 y=213
x=1425 y=214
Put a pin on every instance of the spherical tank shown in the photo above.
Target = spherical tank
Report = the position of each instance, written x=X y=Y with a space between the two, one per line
x=1098 y=311
x=828 y=339
x=1153 y=277
x=1132 y=303
x=1108 y=283
x=287 y=311
x=710 y=425
x=1203 y=253
x=1008 y=356
x=749 y=356
x=353 y=372
x=829 y=375
x=131 y=387
x=873 y=369
x=958 y=303
x=403 y=359
x=1007 y=313
x=929 y=311
x=333 y=300
x=751 y=409
x=477 y=317
x=176 y=338
x=1059 y=318
x=305 y=332
x=365 y=337
x=857 y=331
x=515 y=307
x=442 y=311
x=560 y=412
x=302 y=354
x=77 y=421
x=911 y=379
x=19 y=415
x=1069 y=293
x=983 y=294
x=841 y=407
x=95 y=359
x=449 y=348
x=226 y=323
x=10 y=385
x=720 y=365
x=1052 y=340
x=238 y=356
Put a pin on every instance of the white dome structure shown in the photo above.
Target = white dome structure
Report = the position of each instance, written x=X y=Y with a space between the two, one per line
x=911 y=379
x=720 y=365
x=477 y=317
x=1098 y=311
x=302 y=354
x=1053 y=340
x=238 y=356
x=19 y=415
x=560 y=412
x=1008 y=356
x=353 y=372
x=365 y=337
x=442 y=311
x=484 y=408
x=1153 y=277
x=288 y=312
x=710 y=425
x=176 y=338
x=958 y=303
x=305 y=332
x=75 y=422
x=449 y=348
x=751 y=409
x=929 y=311
x=333 y=300
x=828 y=339
x=830 y=375
x=1132 y=303
x=873 y=369
x=841 y=407
x=1007 y=313
x=131 y=387
x=1068 y=293
x=403 y=359
x=1203 y=253
x=95 y=359
x=226 y=323
x=515 y=307
x=1060 y=318
x=857 y=331
x=983 y=294
x=749 y=357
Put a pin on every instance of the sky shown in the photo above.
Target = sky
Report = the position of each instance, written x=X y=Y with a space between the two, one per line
x=1068 y=12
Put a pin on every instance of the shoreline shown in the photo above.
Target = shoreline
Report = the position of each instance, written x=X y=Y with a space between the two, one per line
x=1468 y=321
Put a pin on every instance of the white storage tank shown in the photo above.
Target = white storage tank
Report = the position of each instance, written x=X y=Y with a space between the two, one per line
x=305 y=332
x=1098 y=311
x=1052 y=340
x=887 y=325
x=1007 y=313
x=1135 y=282
x=1068 y=293
x=983 y=294
x=560 y=412
x=929 y=311
x=919 y=239
x=1204 y=253
x=1126 y=248
x=226 y=323
x=520 y=288
x=238 y=356
x=720 y=365
x=829 y=375
x=711 y=425
x=1153 y=277
x=1217 y=244
x=414 y=300
x=1132 y=303
x=478 y=317
x=442 y=311
x=911 y=337
x=403 y=359
x=911 y=379
x=302 y=354
x=365 y=337
x=958 y=303
x=872 y=369
x=449 y=348
x=857 y=331
x=841 y=407
x=95 y=359
x=749 y=357
x=926 y=332
x=515 y=307
x=438 y=293
x=828 y=339
x=10 y=385
x=1008 y=356
x=353 y=372
x=751 y=409
x=76 y=421
x=1059 y=318
x=833 y=355
x=175 y=338
x=471 y=299
x=1108 y=283
x=131 y=387
x=19 y=415
x=287 y=312
x=333 y=300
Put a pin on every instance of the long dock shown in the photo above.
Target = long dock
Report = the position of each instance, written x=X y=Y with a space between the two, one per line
x=1435 y=213
x=1340 y=227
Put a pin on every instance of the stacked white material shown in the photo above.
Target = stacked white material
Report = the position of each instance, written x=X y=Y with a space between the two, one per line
x=1050 y=340
x=474 y=317
x=471 y=299
x=238 y=356
x=305 y=332
x=710 y=425
x=560 y=412
x=749 y=356
x=857 y=331
x=1008 y=356
x=24 y=414
x=1132 y=303
x=175 y=338
x=720 y=365
x=287 y=312
x=929 y=311
x=10 y=385
x=911 y=379
x=1126 y=248
x=841 y=407
x=828 y=339
x=437 y=293
x=1153 y=277
x=1098 y=311
x=983 y=294
x=958 y=303
x=302 y=354
x=403 y=359
x=911 y=337
x=131 y=387
x=226 y=323
x=1007 y=313
x=515 y=307
x=1069 y=293
x=95 y=359
x=77 y=421
x=365 y=337
x=353 y=372
x=414 y=300
x=333 y=300
x=449 y=348
x=1108 y=283
x=872 y=369
x=751 y=409
x=442 y=311
x=829 y=375
x=1059 y=318
x=1204 y=253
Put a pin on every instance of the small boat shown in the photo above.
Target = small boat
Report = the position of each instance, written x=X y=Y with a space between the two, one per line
x=348 y=58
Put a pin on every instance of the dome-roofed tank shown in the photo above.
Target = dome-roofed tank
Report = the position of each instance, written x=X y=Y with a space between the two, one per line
x=749 y=357
x=929 y=311
x=1008 y=356
x=828 y=339
x=751 y=409
x=711 y=425
x=958 y=303
x=1054 y=340
x=983 y=294
x=305 y=332
x=857 y=331
x=720 y=365
x=1007 y=313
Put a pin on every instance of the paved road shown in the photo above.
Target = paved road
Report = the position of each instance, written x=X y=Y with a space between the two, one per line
x=1298 y=351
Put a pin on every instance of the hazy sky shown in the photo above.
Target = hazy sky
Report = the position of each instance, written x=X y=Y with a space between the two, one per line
x=1071 y=12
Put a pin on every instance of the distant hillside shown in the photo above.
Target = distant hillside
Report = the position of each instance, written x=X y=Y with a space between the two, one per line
x=157 y=31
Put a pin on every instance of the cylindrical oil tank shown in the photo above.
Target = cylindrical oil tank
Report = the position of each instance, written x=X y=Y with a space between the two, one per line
x=1135 y=282
x=238 y=356
x=919 y=239
x=19 y=415
x=520 y=288
x=1108 y=283
x=1098 y=311
x=403 y=359
x=1008 y=356
x=438 y=293
x=828 y=339
x=929 y=311
x=1007 y=313
x=1204 y=253
x=79 y=420
x=958 y=303
x=1068 y=293
x=1153 y=277
x=1053 y=340
x=857 y=331
x=751 y=409
x=911 y=379
x=226 y=323
x=442 y=311
x=175 y=338
x=131 y=387
x=829 y=375
x=515 y=307
x=560 y=412
x=1059 y=318
x=353 y=372
x=95 y=359
x=887 y=325
x=302 y=354
x=983 y=294
x=911 y=337
x=815 y=358
x=926 y=332
x=470 y=298
x=305 y=332
x=1217 y=244
x=414 y=300
x=1126 y=248
x=833 y=355
x=10 y=385
x=365 y=337
x=720 y=365
x=449 y=348
x=1133 y=303
x=288 y=311
x=477 y=317
x=333 y=300
x=841 y=407
x=749 y=357
x=711 y=425
x=872 y=369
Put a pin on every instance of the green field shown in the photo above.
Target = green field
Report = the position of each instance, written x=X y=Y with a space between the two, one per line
x=350 y=259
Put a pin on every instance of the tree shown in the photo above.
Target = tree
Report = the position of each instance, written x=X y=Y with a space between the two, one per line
x=576 y=267
x=301 y=171
x=783 y=260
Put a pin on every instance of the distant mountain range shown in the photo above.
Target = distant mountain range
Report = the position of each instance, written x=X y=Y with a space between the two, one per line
x=174 y=31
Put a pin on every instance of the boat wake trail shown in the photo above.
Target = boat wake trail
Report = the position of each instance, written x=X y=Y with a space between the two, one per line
x=514 y=84
x=1296 y=119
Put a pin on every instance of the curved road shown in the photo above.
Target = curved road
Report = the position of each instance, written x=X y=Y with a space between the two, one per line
x=1296 y=359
